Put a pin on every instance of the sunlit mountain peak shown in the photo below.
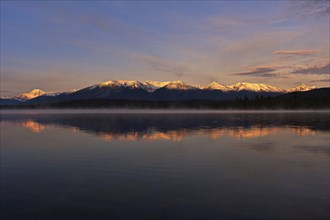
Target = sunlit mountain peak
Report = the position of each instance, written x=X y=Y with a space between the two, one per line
x=108 y=89
x=30 y=95
x=124 y=83
x=153 y=85
x=217 y=86
x=255 y=87
x=301 y=88
x=179 y=85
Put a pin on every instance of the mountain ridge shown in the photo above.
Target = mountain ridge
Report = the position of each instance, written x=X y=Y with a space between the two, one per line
x=151 y=91
x=152 y=86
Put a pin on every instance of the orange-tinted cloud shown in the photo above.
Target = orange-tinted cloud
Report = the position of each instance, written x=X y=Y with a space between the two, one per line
x=296 y=52
x=323 y=69
x=259 y=71
x=311 y=7
x=320 y=80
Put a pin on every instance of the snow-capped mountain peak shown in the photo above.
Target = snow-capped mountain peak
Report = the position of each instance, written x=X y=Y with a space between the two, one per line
x=301 y=88
x=149 y=85
x=216 y=86
x=121 y=83
x=179 y=85
x=153 y=85
x=255 y=87
x=30 y=95
x=157 y=83
x=127 y=83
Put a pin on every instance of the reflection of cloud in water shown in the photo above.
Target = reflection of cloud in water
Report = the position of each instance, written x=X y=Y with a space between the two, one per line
x=315 y=149
x=263 y=147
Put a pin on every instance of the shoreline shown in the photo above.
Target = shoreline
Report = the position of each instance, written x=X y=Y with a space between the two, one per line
x=155 y=111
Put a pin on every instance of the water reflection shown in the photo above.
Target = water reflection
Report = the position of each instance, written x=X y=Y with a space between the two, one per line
x=110 y=127
x=33 y=125
x=178 y=135
x=165 y=166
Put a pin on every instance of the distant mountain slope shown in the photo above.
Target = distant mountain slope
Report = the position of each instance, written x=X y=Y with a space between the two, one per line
x=254 y=87
x=301 y=88
x=152 y=90
x=9 y=102
x=30 y=95
x=153 y=85
x=217 y=86
x=313 y=99
x=314 y=93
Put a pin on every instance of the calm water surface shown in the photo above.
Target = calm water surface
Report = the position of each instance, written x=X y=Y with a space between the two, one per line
x=165 y=166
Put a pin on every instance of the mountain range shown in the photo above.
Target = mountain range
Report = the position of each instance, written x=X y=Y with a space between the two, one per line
x=152 y=90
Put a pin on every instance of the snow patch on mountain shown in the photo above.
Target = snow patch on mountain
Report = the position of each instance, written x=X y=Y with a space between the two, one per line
x=126 y=83
x=133 y=84
x=255 y=87
x=301 y=88
x=149 y=85
x=179 y=85
x=217 y=86
x=153 y=85
x=30 y=95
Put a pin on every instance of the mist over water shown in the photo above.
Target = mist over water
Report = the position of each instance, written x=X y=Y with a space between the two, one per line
x=150 y=111
x=156 y=165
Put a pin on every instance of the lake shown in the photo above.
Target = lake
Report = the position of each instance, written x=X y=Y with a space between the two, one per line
x=164 y=165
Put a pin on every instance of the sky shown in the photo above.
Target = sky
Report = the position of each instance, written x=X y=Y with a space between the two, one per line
x=65 y=45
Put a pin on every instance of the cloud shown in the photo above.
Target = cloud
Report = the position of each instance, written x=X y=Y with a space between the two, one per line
x=223 y=22
x=296 y=52
x=324 y=69
x=262 y=44
x=259 y=71
x=321 y=80
x=163 y=65
x=113 y=25
x=157 y=63
x=311 y=7
x=105 y=23
x=241 y=21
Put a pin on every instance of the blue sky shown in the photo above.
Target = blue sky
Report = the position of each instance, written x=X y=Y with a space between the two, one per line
x=65 y=45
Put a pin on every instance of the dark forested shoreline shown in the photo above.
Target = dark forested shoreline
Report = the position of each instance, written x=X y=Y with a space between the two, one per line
x=314 y=99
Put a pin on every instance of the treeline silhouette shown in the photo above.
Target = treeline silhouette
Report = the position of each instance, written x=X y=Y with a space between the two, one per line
x=314 y=99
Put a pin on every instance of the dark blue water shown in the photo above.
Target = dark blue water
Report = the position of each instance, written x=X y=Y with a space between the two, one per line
x=165 y=166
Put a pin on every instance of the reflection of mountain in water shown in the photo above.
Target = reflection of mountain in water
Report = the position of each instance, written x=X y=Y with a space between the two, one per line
x=33 y=125
x=214 y=134
x=175 y=127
